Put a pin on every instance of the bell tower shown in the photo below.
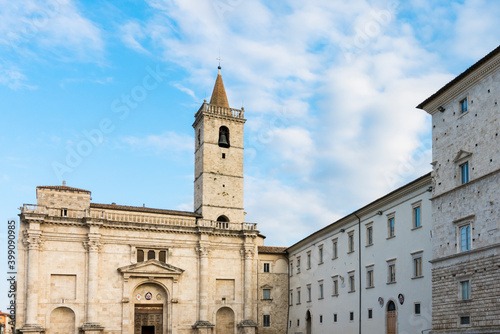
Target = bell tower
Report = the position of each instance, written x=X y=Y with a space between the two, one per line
x=218 y=172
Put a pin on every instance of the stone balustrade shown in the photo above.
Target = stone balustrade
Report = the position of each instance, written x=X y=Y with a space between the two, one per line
x=223 y=111
x=158 y=219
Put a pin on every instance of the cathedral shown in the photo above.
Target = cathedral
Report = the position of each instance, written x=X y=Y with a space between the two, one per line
x=93 y=268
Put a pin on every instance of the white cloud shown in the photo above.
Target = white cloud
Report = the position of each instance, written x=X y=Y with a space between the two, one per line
x=475 y=20
x=131 y=33
x=169 y=141
x=55 y=26
x=329 y=88
x=13 y=78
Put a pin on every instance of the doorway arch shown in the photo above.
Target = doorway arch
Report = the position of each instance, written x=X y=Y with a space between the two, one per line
x=391 y=318
x=224 y=321
x=150 y=308
x=62 y=321
x=308 y=322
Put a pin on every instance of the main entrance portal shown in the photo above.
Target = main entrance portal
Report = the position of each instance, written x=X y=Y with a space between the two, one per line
x=148 y=319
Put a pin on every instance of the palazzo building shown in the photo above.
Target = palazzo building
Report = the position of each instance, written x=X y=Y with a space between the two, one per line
x=86 y=267
x=466 y=200
x=368 y=272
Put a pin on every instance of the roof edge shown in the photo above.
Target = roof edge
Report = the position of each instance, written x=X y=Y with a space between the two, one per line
x=461 y=76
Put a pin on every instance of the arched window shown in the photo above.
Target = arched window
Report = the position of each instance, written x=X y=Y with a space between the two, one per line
x=224 y=137
x=151 y=255
x=140 y=255
x=222 y=222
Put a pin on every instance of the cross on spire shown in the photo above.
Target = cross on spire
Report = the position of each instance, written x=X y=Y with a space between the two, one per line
x=219 y=59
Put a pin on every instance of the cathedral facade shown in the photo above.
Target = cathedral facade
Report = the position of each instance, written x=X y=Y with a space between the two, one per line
x=105 y=268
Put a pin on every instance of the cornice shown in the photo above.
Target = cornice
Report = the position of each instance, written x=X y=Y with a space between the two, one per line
x=461 y=86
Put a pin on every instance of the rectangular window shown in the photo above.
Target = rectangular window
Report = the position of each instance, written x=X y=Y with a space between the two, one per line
x=335 y=286
x=309 y=260
x=266 y=294
x=298 y=265
x=417 y=308
x=266 y=267
x=298 y=296
x=351 y=316
x=320 y=253
x=369 y=278
x=352 y=282
x=465 y=320
x=309 y=294
x=465 y=290
x=298 y=322
x=320 y=319
x=417 y=266
x=291 y=299
x=465 y=238
x=335 y=317
x=291 y=268
x=369 y=235
x=391 y=227
x=463 y=106
x=416 y=217
x=391 y=273
x=350 y=242
x=370 y=313
x=335 y=249
x=464 y=173
x=267 y=320
x=320 y=286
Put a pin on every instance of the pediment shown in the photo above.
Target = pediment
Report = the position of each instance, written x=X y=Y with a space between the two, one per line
x=151 y=268
x=462 y=154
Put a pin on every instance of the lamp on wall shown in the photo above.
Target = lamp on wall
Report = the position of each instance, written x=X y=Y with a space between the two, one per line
x=379 y=213
x=441 y=109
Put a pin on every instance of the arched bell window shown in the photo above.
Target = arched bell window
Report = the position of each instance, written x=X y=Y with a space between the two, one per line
x=222 y=222
x=224 y=137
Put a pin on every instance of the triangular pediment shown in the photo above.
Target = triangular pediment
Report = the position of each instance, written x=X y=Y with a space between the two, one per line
x=462 y=154
x=151 y=268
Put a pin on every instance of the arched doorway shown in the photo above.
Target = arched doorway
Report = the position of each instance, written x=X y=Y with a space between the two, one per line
x=391 y=317
x=224 y=321
x=150 y=309
x=308 y=322
x=62 y=321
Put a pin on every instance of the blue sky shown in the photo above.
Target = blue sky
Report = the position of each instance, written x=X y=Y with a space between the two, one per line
x=329 y=89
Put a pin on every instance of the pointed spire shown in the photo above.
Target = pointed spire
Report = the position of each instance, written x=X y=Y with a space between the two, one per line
x=219 y=97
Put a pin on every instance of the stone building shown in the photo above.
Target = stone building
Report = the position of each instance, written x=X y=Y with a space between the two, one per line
x=466 y=200
x=369 y=271
x=272 y=280
x=105 y=268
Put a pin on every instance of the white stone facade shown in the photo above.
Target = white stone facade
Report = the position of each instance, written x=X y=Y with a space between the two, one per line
x=326 y=257
x=466 y=200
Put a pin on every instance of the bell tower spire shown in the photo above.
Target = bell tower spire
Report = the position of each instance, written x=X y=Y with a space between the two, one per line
x=218 y=184
x=219 y=97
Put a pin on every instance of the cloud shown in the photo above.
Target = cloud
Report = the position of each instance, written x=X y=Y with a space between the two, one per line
x=166 y=142
x=55 y=27
x=131 y=32
x=14 y=78
x=330 y=90
x=274 y=206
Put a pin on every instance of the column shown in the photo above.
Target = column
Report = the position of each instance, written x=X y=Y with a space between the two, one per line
x=248 y=325
x=32 y=240
x=203 y=325
x=203 y=307
x=92 y=245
